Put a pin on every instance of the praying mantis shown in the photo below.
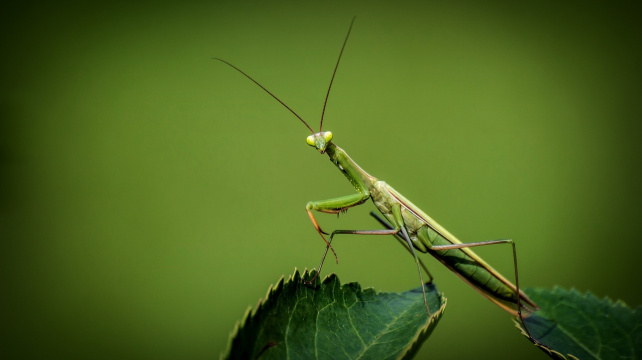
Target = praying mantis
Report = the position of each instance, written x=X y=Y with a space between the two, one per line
x=411 y=226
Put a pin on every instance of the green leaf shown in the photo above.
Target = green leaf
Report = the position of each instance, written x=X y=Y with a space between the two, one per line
x=570 y=325
x=329 y=320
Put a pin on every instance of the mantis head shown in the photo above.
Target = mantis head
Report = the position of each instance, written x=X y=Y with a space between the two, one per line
x=320 y=140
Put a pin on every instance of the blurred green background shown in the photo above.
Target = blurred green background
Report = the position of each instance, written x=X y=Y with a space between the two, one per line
x=149 y=194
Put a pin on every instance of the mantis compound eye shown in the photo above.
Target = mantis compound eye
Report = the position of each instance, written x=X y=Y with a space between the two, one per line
x=327 y=136
x=310 y=140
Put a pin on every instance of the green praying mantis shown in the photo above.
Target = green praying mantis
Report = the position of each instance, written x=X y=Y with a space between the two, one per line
x=412 y=227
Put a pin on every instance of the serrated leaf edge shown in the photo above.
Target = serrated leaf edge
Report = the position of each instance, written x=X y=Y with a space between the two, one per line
x=272 y=290
x=586 y=295
x=296 y=276
x=552 y=353
x=433 y=319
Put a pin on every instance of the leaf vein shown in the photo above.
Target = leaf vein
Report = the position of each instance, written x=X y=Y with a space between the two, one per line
x=384 y=331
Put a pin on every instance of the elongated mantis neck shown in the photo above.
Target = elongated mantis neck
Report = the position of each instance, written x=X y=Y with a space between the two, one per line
x=355 y=174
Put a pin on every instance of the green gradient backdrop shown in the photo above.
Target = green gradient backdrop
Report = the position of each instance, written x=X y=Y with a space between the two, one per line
x=150 y=195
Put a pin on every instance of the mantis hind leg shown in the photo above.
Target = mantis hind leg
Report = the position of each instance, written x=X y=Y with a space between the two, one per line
x=518 y=292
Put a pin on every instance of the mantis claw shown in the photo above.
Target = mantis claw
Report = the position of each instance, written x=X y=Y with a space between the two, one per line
x=311 y=281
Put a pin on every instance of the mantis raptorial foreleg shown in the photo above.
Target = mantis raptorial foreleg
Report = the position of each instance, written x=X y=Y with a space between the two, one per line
x=334 y=206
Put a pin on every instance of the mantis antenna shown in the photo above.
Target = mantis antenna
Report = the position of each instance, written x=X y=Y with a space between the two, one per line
x=334 y=73
x=282 y=103
x=266 y=90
